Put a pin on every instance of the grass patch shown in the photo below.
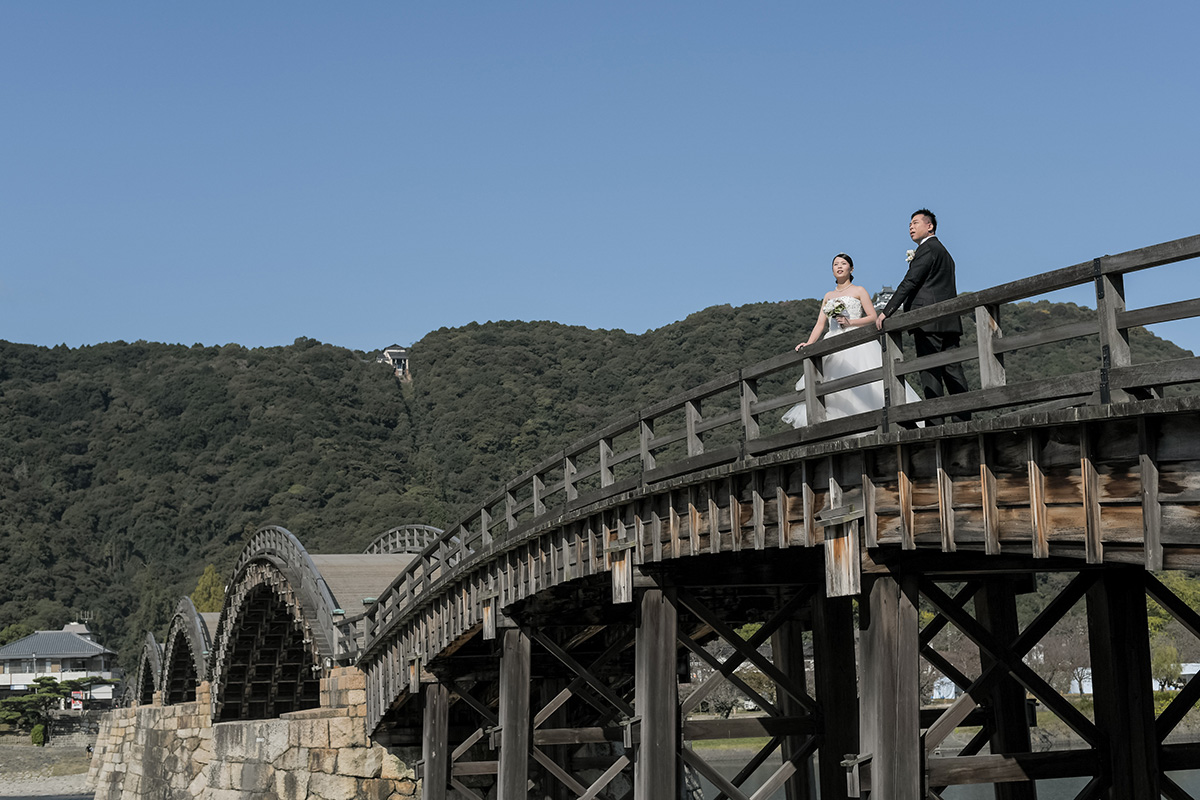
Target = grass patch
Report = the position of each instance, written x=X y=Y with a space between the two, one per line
x=750 y=743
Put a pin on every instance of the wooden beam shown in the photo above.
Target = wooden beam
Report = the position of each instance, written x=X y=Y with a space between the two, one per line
x=513 y=780
x=1002 y=768
x=1090 y=487
x=945 y=487
x=890 y=724
x=987 y=490
x=787 y=647
x=1152 y=513
x=1037 y=497
x=656 y=698
x=908 y=533
x=835 y=678
x=1121 y=685
x=996 y=608
x=988 y=331
x=435 y=747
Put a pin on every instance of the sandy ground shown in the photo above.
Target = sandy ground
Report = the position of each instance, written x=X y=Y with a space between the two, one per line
x=42 y=772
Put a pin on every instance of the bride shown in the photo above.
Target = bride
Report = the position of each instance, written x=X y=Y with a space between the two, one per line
x=847 y=306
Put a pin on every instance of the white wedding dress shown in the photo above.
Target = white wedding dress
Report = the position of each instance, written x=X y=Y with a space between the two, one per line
x=860 y=358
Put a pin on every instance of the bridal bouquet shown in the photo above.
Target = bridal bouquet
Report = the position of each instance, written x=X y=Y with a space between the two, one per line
x=834 y=308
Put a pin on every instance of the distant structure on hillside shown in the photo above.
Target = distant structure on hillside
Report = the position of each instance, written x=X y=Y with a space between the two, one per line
x=882 y=297
x=397 y=358
x=64 y=655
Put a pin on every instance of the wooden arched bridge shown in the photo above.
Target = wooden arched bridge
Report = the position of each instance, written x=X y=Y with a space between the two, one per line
x=559 y=636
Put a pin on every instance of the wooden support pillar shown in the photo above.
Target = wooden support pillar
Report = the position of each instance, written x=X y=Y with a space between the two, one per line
x=890 y=720
x=837 y=689
x=513 y=782
x=996 y=609
x=656 y=701
x=787 y=646
x=1121 y=683
x=435 y=746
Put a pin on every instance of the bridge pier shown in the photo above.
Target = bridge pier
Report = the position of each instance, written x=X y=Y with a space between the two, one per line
x=435 y=743
x=513 y=781
x=891 y=729
x=656 y=698
x=996 y=607
x=1122 y=686
x=836 y=681
x=787 y=644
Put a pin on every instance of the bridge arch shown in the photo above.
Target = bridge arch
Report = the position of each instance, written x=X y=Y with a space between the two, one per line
x=276 y=634
x=185 y=654
x=290 y=616
x=409 y=538
x=149 y=672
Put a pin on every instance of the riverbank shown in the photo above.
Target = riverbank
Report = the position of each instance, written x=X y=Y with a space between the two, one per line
x=27 y=771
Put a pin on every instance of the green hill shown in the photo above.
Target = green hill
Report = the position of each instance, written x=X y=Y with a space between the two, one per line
x=126 y=468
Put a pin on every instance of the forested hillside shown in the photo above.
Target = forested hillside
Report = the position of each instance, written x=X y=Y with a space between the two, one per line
x=126 y=468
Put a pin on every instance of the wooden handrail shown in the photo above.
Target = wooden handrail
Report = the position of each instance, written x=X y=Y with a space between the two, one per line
x=569 y=476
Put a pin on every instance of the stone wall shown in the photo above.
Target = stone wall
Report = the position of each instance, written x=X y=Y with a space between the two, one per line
x=157 y=752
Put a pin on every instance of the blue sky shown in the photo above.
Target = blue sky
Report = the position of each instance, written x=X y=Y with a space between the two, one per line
x=363 y=173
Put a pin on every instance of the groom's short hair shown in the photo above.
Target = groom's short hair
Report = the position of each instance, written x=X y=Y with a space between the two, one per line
x=928 y=215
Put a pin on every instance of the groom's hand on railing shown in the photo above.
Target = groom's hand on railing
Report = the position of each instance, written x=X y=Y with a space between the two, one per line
x=879 y=321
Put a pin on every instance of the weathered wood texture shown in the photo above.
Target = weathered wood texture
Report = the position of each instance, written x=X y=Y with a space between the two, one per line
x=435 y=748
x=890 y=726
x=514 y=716
x=1089 y=470
x=657 y=698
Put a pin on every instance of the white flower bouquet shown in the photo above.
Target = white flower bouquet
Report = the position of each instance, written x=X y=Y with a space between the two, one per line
x=834 y=308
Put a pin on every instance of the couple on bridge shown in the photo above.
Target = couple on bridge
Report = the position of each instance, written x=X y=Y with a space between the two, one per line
x=930 y=279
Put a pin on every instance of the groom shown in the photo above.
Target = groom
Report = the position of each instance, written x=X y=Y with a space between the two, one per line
x=930 y=279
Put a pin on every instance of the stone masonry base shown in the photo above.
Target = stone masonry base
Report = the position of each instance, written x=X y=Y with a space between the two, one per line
x=158 y=752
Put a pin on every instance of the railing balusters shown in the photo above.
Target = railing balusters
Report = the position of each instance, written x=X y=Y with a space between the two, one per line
x=1113 y=324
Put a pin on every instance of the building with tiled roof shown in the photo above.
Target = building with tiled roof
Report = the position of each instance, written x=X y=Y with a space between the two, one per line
x=65 y=655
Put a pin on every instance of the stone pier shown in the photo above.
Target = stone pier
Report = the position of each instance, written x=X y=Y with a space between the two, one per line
x=156 y=752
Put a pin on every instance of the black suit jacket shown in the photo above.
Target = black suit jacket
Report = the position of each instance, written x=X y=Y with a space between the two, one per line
x=930 y=279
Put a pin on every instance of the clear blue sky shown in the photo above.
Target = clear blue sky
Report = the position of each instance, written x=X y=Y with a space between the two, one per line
x=363 y=173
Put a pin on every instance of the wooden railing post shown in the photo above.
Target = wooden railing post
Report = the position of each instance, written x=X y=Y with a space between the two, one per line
x=569 y=470
x=645 y=436
x=695 y=444
x=1114 y=342
x=606 y=454
x=893 y=385
x=987 y=331
x=749 y=393
x=814 y=405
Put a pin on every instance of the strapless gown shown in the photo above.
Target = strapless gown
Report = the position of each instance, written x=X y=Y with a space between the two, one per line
x=858 y=399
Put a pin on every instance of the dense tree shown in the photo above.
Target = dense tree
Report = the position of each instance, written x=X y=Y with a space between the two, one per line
x=209 y=594
x=127 y=467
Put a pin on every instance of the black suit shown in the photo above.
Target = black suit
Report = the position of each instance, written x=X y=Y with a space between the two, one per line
x=930 y=279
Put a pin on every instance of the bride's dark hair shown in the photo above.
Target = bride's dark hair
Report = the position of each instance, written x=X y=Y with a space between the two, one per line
x=849 y=261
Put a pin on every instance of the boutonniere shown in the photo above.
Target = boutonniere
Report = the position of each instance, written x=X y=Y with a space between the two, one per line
x=909 y=255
